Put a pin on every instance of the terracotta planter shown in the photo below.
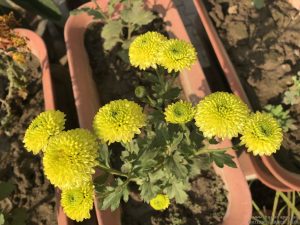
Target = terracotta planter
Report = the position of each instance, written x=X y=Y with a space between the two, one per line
x=264 y=168
x=194 y=85
x=38 y=48
x=295 y=3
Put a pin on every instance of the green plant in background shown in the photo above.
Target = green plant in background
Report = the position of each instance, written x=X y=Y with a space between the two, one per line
x=292 y=95
x=288 y=214
x=45 y=8
x=259 y=4
x=120 y=30
x=164 y=143
x=282 y=116
x=15 y=216
x=14 y=66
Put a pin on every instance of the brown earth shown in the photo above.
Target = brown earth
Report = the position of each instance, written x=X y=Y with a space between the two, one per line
x=33 y=192
x=264 y=46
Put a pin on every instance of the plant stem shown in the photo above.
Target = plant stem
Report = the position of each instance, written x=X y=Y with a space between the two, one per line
x=260 y=212
x=290 y=204
x=206 y=151
x=275 y=204
x=112 y=171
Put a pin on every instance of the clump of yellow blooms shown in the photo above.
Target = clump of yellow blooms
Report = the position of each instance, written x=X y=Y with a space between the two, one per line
x=160 y=202
x=152 y=49
x=222 y=115
x=70 y=157
x=143 y=50
x=262 y=134
x=119 y=121
x=44 y=126
x=177 y=55
x=180 y=112
x=77 y=202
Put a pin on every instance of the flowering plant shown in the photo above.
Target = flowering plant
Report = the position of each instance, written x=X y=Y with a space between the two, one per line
x=164 y=143
x=14 y=69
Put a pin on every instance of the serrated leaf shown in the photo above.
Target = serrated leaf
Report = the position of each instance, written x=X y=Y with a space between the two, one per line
x=177 y=191
x=112 y=29
x=96 y=14
x=104 y=155
x=127 y=43
x=6 y=188
x=148 y=191
x=137 y=15
x=112 y=200
x=110 y=43
x=176 y=165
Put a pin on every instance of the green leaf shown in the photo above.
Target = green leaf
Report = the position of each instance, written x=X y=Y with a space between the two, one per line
x=112 y=200
x=2 y=220
x=19 y=216
x=137 y=15
x=148 y=191
x=96 y=14
x=259 y=4
x=221 y=159
x=177 y=191
x=104 y=155
x=6 y=188
x=100 y=182
x=173 y=93
x=112 y=29
x=123 y=54
x=176 y=165
x=44 y=8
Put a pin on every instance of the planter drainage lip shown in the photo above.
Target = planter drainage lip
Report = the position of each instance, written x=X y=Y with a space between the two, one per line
x=195 y=87
x=266 y=169
x=38 y=48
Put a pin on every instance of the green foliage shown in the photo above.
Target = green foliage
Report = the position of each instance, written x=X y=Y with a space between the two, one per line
x=259 y=4
x=292 y=95
x=120 y=29
x=282 y=116
x=44 y=8
x=6 y=188
x=164 y=158
x=2 y=220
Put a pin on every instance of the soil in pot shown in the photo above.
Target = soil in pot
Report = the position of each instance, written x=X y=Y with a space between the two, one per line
x=32 y=192
x=264 y=47
x=116 y=79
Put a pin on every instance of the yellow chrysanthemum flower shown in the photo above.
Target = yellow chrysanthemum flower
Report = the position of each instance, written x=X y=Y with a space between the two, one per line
x=119 y=121
x=160 y=202
x=144 y=49
x=180 y=112
x=45 y=125
x=70 y=157
x=177 y=55
x=221 y=114
x=77 y=202
x=262 y=134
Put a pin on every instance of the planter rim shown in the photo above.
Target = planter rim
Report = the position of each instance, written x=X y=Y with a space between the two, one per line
x=38 y=48
x=239 y=208
x=266 y=169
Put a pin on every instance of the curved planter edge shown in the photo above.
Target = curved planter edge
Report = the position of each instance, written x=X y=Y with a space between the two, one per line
x=38 y=48
x=195 y=87
x=266 y=169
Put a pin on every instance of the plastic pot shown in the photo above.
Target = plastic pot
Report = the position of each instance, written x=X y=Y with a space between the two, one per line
x=266 y=169
x=193 y=83
x=38 y=48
